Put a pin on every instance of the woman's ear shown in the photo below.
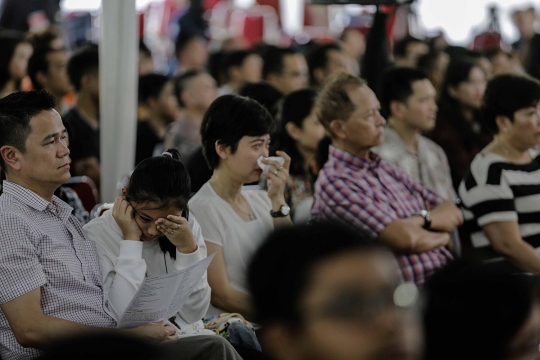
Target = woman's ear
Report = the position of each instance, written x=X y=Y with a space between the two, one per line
x=222 y=150
x=502 y=123
x=124 y=191
x=292 y=130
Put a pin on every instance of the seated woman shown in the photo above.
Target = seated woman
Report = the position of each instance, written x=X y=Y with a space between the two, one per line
x=299 y=135
x=459 y=130
x=501 y=192
x=235 y=132
x=148 y=232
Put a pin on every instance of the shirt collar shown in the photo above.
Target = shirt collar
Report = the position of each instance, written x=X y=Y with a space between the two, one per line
x=33 y=200
x=392 y=137
x=353 y=161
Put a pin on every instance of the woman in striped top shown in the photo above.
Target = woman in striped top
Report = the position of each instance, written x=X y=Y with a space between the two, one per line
x=501 y=192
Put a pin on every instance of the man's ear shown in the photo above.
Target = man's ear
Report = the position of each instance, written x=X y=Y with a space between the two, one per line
x=337 y=128
x=11 y=157
x=396 y=109
x=223 y=151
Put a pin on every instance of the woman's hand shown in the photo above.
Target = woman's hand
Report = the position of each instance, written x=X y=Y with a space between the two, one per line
x=122 y=213
x=177 y=230
x=278 y=175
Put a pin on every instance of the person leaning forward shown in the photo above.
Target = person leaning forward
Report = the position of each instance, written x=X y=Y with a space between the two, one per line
x=51 y=286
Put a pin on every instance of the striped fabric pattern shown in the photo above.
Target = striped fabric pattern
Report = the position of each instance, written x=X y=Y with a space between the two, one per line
x=496 y=190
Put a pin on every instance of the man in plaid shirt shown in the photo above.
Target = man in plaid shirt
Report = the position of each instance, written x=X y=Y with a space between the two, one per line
x=374 y=196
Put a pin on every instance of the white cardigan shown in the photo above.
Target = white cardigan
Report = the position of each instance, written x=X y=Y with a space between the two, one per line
x=124 y=265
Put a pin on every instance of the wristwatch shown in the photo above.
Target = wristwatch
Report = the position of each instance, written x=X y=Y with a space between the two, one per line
x=284 y=210
x=427 y=219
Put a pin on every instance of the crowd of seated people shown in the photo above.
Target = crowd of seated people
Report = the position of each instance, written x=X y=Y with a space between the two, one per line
x=331 y=205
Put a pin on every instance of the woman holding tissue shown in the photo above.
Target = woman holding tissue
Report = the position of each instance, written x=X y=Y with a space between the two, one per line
x=148 y=232
x=235 y=133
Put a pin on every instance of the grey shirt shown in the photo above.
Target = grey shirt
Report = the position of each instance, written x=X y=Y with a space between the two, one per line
x=429 y=165
x=43 y=246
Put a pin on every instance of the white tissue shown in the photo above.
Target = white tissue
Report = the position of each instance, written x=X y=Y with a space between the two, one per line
x=265 y=167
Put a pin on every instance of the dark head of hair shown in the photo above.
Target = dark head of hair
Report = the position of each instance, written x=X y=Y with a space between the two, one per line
x=181 y=82
x=184 y=39
x=400 y=46
x=235 y=58
x=505 y=94
x=9 y=39
x=143 y=49
x=265 y=94
x=84 y=61
x=333 y=101
x=150 y=86
x=215 y=67
x=229 y=119
x=295 y=108
x=38 y=63
x=163 y=181
x=277 y=293
x=273 y=60
x=112 y=346
x=480 y=309
x=323 y=151
x=45 y=39
x=458 y=71
x=428 y=62
x=319 y=57
x=16 y=111
x=396 y=85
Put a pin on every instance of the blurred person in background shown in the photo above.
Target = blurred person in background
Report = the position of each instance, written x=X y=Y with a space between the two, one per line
x=240 y=67
x=434 y=64
x=333 y=295
x=459 y=130
x=191 y=52
x=14 y=56
x=406 y=51
x=503 y=62
x=286 y=69
x=323 y=62
x=482 y=61
x=353 y=43
x=527 y=48
x=146 y=62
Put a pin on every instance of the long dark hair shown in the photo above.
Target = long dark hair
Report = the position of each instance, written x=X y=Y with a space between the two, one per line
x=458 y=71
x=9 y=40
x=163 y=180
x=295 y=108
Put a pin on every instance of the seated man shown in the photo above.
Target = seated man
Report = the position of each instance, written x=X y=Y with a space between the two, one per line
x=324 y=62
x=338 y=299
x=376 y=197
x=51 y=283
x=408 y=101
x=286 y=69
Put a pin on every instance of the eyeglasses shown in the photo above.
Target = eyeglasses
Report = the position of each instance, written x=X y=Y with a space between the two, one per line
x=354 y=306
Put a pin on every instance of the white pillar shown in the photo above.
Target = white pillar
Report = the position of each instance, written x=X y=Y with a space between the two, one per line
x=292 y=16
x=118 y=56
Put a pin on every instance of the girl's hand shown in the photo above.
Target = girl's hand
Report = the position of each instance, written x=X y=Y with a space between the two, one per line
x=177 y=230
x=122 y=213
x=278 y=175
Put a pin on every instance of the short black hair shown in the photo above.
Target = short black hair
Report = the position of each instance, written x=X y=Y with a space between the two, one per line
x=143 y=49
x=150 y=86
x=507 y=93
x=273 y=59
x=265 y=94
x=236 y=58
x=318 y=58
x=396 y=85
x=428 y=62
x=400 y=46
x=185 y=38
x=16 y=111
x=38 y=63
x=181 y=83
x=228 y=119
x=276 y=294
x=163 y=180
x=84 y=61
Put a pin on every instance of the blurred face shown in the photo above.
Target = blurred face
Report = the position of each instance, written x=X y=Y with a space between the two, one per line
x=294 y=75
x=146 y=64
x=524 y=346
x=202 y=90
x=524 y=21
x=354 y=43
x=19 y=61
x=336 y=63
x=349 y=312
x=469 y=93
x=146 y=215
x=166 y=104
x=195 y=54
x=311 y=133
x=45 y=162
x=56 y=79
x=251 y=69
x=365 y=127
x=242 y=165
x=414 y=51
x=524 y=131
x=420 y=109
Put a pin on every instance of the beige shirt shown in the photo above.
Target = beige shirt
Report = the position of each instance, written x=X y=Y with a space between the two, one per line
x=429 y=165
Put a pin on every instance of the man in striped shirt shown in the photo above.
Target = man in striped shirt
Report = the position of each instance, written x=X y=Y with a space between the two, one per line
x=374 y=196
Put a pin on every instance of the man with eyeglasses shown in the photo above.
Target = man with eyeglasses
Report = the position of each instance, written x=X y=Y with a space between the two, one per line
x=322 y=291
x=373 y=196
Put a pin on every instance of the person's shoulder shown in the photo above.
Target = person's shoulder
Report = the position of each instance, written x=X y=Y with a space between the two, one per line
x=15 y=215
x=202 y=196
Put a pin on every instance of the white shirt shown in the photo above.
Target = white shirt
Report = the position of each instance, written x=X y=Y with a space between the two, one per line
x=221 y=225
x=125 y=263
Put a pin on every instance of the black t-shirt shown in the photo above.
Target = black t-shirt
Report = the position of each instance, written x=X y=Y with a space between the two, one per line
x=84 y=141
x=147 y=140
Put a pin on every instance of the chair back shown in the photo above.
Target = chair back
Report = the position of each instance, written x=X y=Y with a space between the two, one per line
x=86 y=189
x=99 y=209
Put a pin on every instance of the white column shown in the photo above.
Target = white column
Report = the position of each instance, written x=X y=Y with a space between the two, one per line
x=292 y=16
x=118 y=56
